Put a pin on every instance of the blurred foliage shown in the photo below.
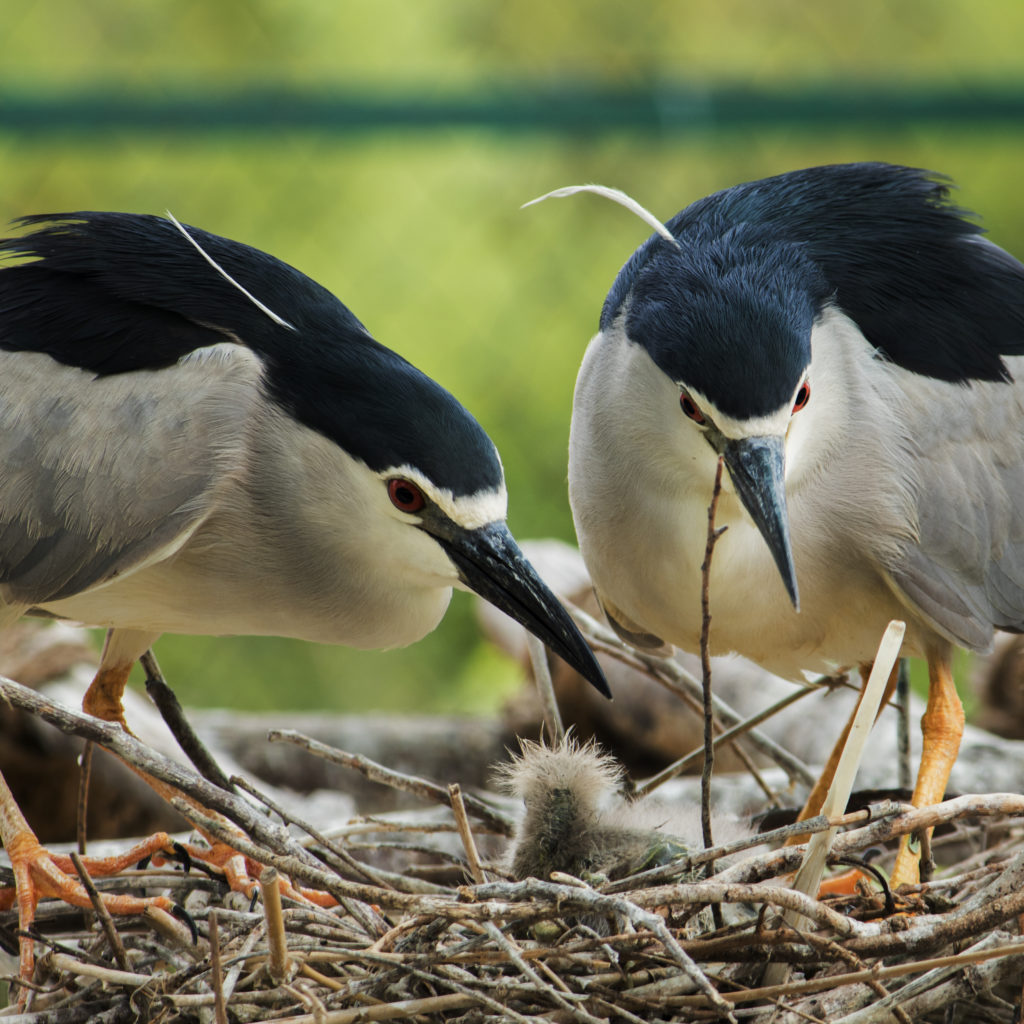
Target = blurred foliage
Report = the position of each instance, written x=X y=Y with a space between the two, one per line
x=421 y=232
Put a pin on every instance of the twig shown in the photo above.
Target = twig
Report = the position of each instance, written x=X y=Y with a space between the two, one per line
x=108 y=975
x=332 y=848
x=170 y=709
x=402 y=1010
x=708 y=767
x=905 y=773
x=106 y=921
x=545 y=689
x=678 y=767
x=515 y=955
x=589 y=901
x=220 y=1014
x=476 y=870
x=130 y=749
x=819 y=823
x=808 y=878
x=423 y=788
x=675 y=678
x=766 y=993
x=82 y=816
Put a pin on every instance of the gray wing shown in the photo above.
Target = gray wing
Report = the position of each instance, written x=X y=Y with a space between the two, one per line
x=101 y=475
x=966 y=572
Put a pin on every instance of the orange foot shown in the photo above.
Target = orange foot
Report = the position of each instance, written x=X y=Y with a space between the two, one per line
x=240 y=872
x=39 y=874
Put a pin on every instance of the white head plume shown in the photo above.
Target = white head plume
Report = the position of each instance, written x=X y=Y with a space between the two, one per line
x=616 y=196
x=280 y=321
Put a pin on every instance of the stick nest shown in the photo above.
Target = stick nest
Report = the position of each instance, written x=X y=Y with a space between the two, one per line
x=427 y=925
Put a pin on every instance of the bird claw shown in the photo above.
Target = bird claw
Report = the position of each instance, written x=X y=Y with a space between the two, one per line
x=40 y=874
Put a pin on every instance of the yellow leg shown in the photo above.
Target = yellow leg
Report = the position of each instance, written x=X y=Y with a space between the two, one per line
x=942 y=726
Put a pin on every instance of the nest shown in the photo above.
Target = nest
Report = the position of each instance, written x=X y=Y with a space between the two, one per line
x=426 y=924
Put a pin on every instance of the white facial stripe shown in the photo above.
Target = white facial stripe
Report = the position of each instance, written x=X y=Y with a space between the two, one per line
x=470 y=511
x=758 y=426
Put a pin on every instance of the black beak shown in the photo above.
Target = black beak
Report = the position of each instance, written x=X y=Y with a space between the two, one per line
x=490 y=563
x=757 y=467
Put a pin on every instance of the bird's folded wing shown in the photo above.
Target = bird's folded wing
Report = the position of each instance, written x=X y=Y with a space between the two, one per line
x=100 y=475
x=966 y=573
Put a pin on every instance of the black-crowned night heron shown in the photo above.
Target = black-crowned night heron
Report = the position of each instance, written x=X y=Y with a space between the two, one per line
x=849 y=344
x=197 y=438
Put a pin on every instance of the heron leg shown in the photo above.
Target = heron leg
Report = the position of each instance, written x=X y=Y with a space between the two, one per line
x=39 y=874
x=942 y=726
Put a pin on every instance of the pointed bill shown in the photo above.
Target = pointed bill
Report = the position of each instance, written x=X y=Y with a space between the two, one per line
x=758 y=470
x=490 y=563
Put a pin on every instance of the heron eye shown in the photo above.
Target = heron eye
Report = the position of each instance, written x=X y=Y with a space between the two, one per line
x=689 y=406
x=803 y=396
x=405 y=495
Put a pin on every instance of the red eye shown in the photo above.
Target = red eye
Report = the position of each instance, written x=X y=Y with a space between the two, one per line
x=689 y=406
x=405 y=495
x=803 y=396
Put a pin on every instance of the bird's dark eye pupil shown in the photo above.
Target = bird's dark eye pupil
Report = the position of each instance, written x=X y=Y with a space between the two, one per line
x=802 y=397
x=405 y=495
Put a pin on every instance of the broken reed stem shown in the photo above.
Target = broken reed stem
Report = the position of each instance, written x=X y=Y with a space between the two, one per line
x=277 y=940
x=476 y=870
x=106 y=921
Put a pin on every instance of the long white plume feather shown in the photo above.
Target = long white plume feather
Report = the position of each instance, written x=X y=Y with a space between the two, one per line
x=280 y=321
x=616 y=196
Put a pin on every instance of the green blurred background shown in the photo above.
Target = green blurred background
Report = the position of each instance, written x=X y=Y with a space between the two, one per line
x=384 y=147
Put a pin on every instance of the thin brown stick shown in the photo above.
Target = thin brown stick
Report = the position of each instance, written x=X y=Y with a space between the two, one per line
x=705 y=660
x=342 y=855
x=220 y=1014
x=476 y=869
x=708 y=767
x=171 y=711
x=545 y=689
x=673 y=677
x=678 y=767
x=129 y=748
x=82 y=814
x=106 y=921
x=423 y=788
x=756 y=995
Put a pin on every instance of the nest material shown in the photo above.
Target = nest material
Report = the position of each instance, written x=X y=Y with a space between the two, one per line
x=431 y=928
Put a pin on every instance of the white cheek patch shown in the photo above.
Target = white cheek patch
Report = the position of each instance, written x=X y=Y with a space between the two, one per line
x=758 y=426
x=470 y=511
